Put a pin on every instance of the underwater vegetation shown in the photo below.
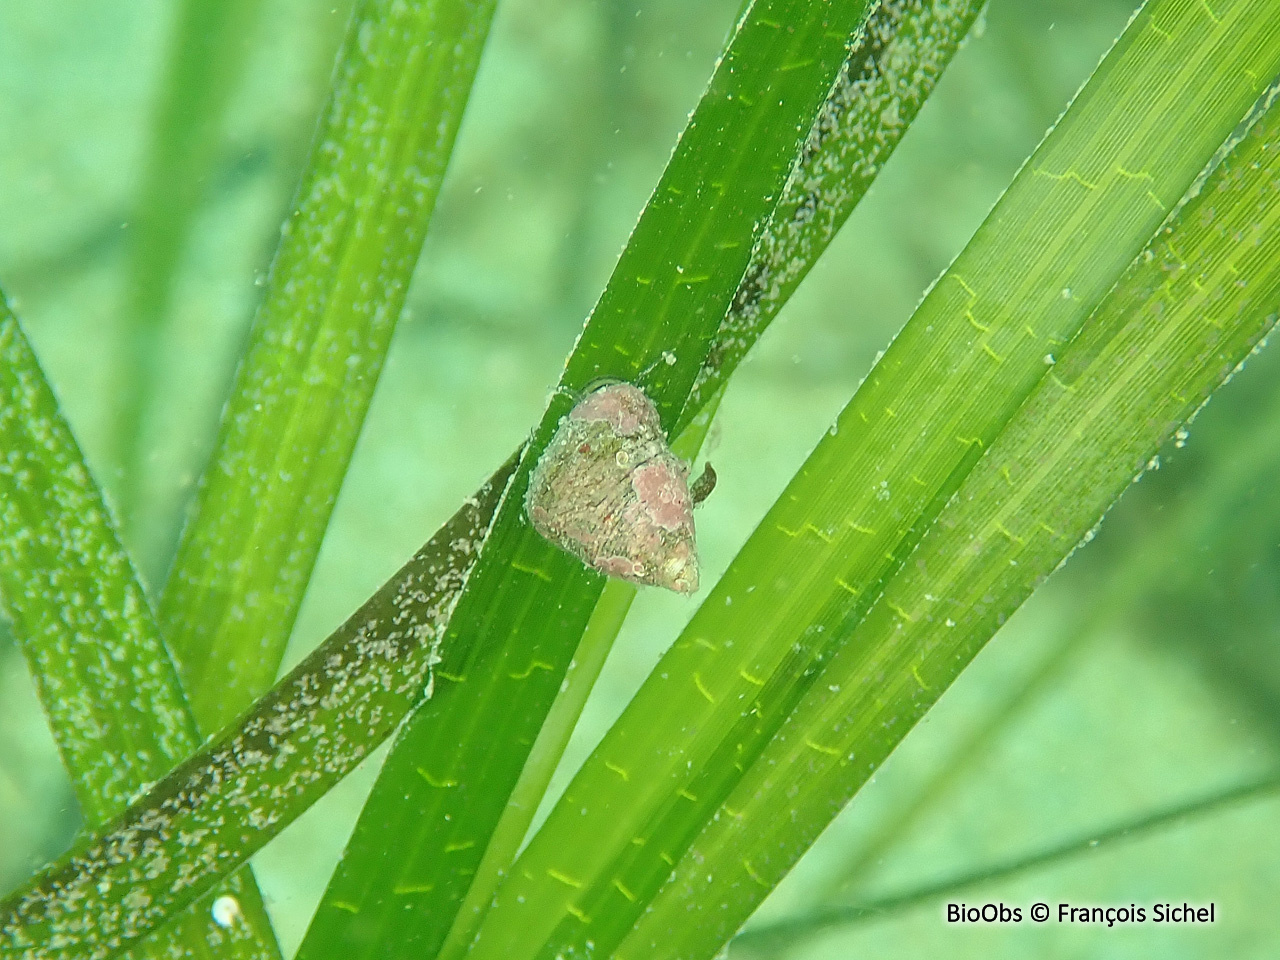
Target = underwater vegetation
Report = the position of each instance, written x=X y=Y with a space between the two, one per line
x=212 y=473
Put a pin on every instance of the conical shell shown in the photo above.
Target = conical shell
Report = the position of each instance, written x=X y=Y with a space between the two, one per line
x=609 y=490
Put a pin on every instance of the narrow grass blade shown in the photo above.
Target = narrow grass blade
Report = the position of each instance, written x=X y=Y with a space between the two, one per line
x=335 y=290
x=104 y=677
x=889 y=74
x=210 y=814
x=548 y=750
x=767 y=940
x=111 y=692
x=208 y=52
x=1173 y=87
x=447 y=780
x=893 y=64
x=1203 y=523
x=210 y=45
x=1203 y=295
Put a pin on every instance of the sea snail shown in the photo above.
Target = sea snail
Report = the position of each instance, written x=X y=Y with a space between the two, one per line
x=609 y=490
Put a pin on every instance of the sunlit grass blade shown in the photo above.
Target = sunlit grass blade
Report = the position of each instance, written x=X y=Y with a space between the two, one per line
x=446 y=781
x=1202 y=524
x=975 y=747
x=208 y=51
x=888 y=75
x=549 y=747
x=112 y=696
x=894 y=62
x=766 y=940
x=209 y=815
x=1185 y=315
x=209 y=48
x=1133 y=142
x=335 y=290
x=108 y=687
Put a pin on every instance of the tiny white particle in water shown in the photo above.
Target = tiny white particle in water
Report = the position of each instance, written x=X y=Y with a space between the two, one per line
x=226 y=911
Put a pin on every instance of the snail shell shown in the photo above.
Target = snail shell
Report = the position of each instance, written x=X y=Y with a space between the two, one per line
x=609 y=490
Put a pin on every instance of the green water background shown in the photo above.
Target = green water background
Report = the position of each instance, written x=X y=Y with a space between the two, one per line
x=1174 y=689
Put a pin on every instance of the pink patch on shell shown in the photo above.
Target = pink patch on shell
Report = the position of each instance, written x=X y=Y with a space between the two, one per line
x=664 y=493
x=621 y=405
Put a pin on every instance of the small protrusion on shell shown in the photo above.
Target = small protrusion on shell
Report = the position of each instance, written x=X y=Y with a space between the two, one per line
x=701 y=488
